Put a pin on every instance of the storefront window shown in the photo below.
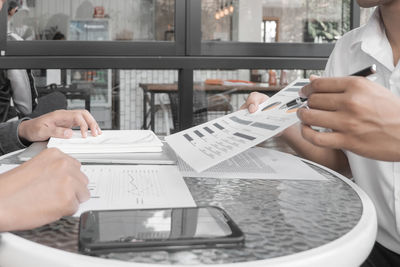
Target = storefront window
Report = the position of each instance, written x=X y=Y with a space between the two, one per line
x=118 y=99
x=93 y=20
x=220 y=92
x=275 y=20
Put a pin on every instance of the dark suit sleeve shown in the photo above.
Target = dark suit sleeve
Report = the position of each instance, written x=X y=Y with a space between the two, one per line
x=9 y=140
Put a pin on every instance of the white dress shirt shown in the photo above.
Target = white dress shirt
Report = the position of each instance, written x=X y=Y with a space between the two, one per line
x=356 y=50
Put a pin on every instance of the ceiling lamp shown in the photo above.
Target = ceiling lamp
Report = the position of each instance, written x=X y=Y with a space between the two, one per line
x=221 y=13
x=231 y=7
x=226 y=9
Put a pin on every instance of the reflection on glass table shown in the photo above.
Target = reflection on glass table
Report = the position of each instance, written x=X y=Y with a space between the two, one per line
x=286 y=223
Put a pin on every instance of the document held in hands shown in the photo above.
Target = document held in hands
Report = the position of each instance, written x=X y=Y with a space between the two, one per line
x=109 y=142
x=208 y=144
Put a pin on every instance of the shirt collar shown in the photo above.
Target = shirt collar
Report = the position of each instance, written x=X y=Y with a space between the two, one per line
x=374 y=41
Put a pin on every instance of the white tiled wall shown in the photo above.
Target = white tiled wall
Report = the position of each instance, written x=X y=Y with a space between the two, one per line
x=131 y=95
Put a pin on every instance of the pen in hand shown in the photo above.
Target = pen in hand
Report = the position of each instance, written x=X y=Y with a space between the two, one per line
x=362 y=73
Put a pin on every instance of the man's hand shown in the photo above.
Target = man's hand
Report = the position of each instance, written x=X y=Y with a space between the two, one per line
x=41 y=191
x=364 y=117
x=253 y=101
x=58 y=124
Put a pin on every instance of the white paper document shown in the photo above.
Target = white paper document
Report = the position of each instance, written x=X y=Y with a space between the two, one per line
x=109 y=142
x=257 y=163
x=135 y=187
x=211 y=143
x=114 y=187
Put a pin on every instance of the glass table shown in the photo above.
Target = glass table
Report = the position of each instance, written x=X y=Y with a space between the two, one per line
x=286 y=223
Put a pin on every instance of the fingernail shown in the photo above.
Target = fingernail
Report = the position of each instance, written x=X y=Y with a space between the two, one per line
x=299 y=111
x=84 y=134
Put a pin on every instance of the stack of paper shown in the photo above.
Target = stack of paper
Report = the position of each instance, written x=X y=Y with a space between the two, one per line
x=109 y=142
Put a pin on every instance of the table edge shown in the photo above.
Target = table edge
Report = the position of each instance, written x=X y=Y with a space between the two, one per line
x=353 y=247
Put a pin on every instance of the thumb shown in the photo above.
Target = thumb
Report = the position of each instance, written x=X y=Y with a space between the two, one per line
x=314 y=77
x=61 y=132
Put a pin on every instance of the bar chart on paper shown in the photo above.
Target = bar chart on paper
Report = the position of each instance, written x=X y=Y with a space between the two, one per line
x=210 y=143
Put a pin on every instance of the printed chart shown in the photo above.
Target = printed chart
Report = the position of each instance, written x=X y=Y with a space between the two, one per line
x=114 y=187
x=208 y=144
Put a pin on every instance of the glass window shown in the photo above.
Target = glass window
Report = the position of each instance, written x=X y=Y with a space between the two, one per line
x=93 y=20
x=270 y=30
x=118 y=99
x=275 y=20
x=219 y=92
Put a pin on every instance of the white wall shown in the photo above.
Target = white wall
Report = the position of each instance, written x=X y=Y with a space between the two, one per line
x=250 y=18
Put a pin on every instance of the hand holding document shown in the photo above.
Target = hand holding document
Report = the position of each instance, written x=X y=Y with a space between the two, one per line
x=206 y=145
x=109 y=142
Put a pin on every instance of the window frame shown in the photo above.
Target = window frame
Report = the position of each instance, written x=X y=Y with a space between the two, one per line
x=99 y=48
x=187 y=53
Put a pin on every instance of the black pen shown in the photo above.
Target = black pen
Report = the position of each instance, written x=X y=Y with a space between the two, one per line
x=362 y=73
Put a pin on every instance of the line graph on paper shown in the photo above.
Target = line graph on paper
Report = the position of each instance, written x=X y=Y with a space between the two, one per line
x=116 y=187
x=112 y=185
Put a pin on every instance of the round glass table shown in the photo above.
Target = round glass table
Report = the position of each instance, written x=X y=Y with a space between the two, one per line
x=286 y=223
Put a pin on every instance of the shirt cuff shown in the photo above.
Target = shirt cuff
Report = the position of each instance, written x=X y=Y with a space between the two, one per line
x=22 y=142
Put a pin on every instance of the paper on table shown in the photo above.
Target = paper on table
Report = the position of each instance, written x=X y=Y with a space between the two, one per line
x=132 y=187
x=257 y=163
x=135 y=187
x=109 y=142
x=210 y=143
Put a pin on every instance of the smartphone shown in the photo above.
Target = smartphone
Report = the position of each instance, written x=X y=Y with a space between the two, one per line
x=102 y=232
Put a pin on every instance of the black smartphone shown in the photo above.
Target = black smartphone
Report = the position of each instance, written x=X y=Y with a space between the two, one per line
x=102 y=232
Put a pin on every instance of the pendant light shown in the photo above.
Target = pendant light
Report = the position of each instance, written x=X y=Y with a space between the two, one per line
x=226 y=9
x=217 y=17
x=231 y=7
x=221 y=10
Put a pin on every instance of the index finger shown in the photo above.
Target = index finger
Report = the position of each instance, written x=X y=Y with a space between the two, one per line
x=92 y=123
x=326 y=85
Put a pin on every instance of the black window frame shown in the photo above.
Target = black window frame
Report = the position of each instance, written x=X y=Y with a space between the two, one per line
x=186 y=54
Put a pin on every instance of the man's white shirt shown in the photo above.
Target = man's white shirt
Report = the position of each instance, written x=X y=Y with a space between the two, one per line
x=356 y=50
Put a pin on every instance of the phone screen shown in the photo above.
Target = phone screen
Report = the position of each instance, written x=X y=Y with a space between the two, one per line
x=137 y=226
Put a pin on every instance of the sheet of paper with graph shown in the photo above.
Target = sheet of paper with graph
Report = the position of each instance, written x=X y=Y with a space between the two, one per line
x=210 y=143
x=135 y=187
x=257 y=163
x=114 y=187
